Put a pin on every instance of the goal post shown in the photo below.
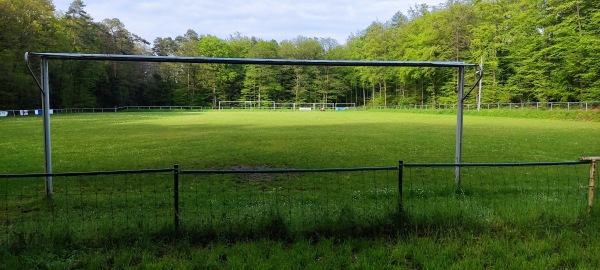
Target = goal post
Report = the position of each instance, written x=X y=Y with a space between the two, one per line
x=314 y=106
x=344 y=106
x=245 y=105
x=45 y=87
x=272 y=105
x=285 y=106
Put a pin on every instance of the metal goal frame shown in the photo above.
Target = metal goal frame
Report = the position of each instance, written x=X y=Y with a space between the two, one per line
x=45 y=84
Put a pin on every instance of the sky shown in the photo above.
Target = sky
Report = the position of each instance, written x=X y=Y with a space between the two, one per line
x=266 y=19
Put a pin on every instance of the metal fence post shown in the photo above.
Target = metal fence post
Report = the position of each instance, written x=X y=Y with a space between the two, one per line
x=47 y=140
x=592 y=176
x=176 y=196
x=459 y=122
x=400 y=180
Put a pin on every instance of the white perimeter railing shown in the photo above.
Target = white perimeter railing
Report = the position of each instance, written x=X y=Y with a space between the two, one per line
x=584 y=106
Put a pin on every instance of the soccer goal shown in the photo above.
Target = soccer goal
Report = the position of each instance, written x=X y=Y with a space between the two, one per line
x=345 y=106
x=246 y=105
x=44 y=85
x=315 y=106
x=285 y=106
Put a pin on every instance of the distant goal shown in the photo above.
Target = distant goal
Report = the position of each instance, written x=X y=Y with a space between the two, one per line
x=345 y=106
x=325 y=106
x=246 y=105
x=271 y=105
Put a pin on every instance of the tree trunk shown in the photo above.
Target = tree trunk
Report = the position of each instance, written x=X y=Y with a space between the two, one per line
x=297 y=87
x=578 y=18
x=379 y=88
x=433 y=88
x=385 y=93
x=580 y=35
x=364 y=94
x=259 y=97
x=373 y=97
x=494 y=86
x=422 y=93
x=214 y=96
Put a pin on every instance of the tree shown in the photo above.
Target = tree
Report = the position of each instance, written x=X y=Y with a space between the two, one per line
x=302 y=80
x=534 y=51
x=487 y=42
x=26 y=25
x=261 y=82
x=572 y=44
x=217 y=77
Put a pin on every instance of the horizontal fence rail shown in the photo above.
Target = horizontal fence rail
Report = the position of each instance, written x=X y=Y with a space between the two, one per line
x=33 y=175
x=246 y=202
x=583 y=105
x=278 y=171
x=511 y=164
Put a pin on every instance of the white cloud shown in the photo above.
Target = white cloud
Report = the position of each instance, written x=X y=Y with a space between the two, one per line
x=266 y=19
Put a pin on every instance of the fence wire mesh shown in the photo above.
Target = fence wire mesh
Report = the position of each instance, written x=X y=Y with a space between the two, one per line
x=323 y=201
x=105 y=205
x=85 y=206
x=496 y=195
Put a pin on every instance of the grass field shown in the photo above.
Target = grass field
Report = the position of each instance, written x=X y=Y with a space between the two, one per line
x=229 y=140
x=221 y=140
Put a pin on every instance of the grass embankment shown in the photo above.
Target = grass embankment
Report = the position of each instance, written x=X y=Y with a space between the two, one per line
x=225 y=140
x=592 y=115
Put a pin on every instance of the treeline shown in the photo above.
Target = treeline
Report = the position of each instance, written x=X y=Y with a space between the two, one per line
x=532 y=50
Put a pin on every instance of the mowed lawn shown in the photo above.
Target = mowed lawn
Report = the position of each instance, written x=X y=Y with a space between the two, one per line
x=233 y=139
x=221 y=140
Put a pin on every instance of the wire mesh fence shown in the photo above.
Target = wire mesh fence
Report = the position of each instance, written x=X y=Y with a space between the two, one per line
x=99 y=205
x=244 y=202
x=85 y=206
x=496 y=194
x=275 y=201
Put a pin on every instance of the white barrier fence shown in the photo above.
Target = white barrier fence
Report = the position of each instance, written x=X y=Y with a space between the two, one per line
x=584 y=106
x=102 y=110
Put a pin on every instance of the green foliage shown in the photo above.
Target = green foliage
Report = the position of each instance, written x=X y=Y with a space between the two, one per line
x=532 y=51
x=25 y=25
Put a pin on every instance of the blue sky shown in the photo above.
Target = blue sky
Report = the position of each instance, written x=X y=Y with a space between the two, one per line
x=266 y=19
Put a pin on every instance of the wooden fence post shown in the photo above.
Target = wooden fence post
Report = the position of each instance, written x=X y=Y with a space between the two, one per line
x=592 y=161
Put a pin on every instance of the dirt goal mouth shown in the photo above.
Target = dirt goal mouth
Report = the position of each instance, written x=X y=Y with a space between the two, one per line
x=261 y=173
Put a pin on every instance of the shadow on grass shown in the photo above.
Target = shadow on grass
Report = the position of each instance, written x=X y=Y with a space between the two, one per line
x=394 y=225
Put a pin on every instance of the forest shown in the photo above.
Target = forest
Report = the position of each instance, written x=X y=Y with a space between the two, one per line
x=532 y=50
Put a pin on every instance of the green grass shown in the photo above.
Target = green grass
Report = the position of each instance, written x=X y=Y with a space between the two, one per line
x=592 y=115
x=221 y=140
x=498 y=219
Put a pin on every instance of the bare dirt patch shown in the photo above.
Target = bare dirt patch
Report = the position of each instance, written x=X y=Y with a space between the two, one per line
x=260 y=176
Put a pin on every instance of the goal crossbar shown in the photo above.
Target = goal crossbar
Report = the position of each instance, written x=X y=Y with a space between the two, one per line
x=45 y=85
x=248 y=61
